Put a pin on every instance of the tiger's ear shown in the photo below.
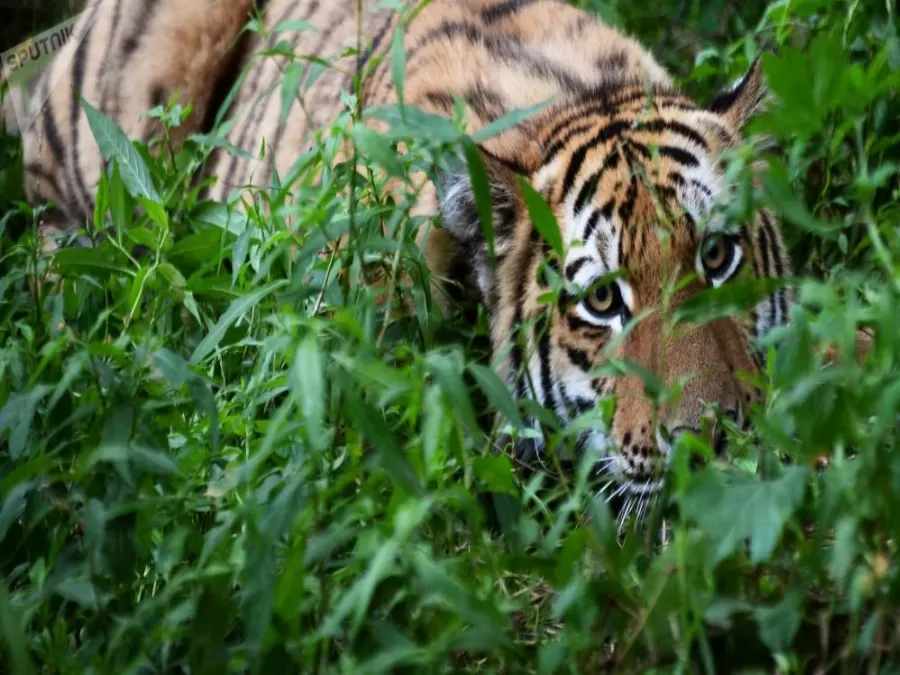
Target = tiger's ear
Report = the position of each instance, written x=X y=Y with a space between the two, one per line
x=460 y=216
x=738 y=104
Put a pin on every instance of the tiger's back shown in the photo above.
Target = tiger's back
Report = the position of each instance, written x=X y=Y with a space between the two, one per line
x=130 y=55
x=619 y=154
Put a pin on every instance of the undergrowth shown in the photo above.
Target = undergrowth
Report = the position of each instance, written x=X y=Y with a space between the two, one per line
x=236 y=450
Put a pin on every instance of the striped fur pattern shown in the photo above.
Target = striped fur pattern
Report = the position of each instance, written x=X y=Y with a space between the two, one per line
x=630 y=166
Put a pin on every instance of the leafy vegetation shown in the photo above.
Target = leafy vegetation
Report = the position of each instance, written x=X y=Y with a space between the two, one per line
x=236 y=449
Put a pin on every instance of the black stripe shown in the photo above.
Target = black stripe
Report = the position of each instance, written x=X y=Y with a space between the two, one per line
x=512 y=164
x=439 y=99
x=770 y=230
x=590 y=226
x=590 y=185
x=679 y=155
x=51 y=129
x=258 y=109
x=578 y=357
x=505 y=48
x=776 y=259
x=372 y=49
x=607 y=209
x=522 y=275
x=503 y=9
x=131 y=43
x=584 y=405
x=42 y=174
x=77 y=81
x=626 y=208
x=725 y=100
x=487 y=103
x=542 y=333
x=114 y=28
x=444 y=31
x=599 y=385
x=602 y=136
x=763 y=243
x=316 y=50
x=560 y=143
x=607 y=99
x=672 y=126
x=573 y=267
x=699 y=186
x=578 y=325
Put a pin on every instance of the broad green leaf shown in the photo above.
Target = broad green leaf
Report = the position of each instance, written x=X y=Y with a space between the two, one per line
x=79 y=591
x=376 y=147
x=12 y=635
x=116 y=146
x=13 y=506
x=17 y=417
x=743 y=508
x=496 y=472
x=83 y=260
x=779 y=623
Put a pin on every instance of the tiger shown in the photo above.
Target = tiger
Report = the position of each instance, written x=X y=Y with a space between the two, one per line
x=630 y=166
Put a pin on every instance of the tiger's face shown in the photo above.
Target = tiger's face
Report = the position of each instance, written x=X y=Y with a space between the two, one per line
x=632 y=181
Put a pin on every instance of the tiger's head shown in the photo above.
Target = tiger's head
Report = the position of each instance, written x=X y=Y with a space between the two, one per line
x=632 y=179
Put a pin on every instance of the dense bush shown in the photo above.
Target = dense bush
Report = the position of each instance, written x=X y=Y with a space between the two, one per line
x=230 y=453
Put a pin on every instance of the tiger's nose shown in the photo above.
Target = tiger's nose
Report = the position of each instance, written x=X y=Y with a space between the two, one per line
x=718 y=439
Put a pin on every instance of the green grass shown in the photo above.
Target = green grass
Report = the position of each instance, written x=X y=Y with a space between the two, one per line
x=229 y=455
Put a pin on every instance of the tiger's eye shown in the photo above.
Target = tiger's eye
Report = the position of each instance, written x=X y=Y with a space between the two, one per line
x=603 y=299
x=715 y=253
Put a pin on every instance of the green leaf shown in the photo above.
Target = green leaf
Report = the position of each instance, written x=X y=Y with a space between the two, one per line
x=496 y=472
x=778 y=624
x=730 y=512
x=481 y=190
x=79 y=591
x=359 y=597
x=115 y=146
x=235 y=311
x=13 y=506
x=17 y=416
x=496 y=392
x=784 y=198
x=377 y=148
x=398 y=62
x=843 y=551
x=508 y=121
x=82 y=260
x=293 y=25
x=307 y=383
x=12 y=635
x=152 y=461
x=543 y=218
x=372 y=426
x=290 y=85
x=729 y=299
